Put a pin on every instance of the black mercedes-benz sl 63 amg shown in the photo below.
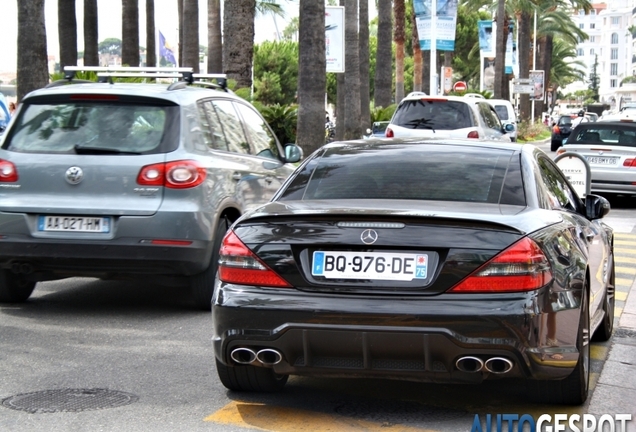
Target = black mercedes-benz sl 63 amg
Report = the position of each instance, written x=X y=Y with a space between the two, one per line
x=436 y=261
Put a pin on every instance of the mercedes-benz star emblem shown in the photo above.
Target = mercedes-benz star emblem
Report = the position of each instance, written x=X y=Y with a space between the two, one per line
x=369 y=236
x=74 y=175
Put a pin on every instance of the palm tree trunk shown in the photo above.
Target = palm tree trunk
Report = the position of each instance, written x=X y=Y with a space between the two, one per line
x=426 y=71
x=353 y=129
x=67 y=33
x=365 y=108
x=130 y=33
x=398 y=38
x=312 y=80
x=181 y=25
x=383 y=93
x=238 y=40
x=215 y=41
x=91 y=42
x=500 y=63
x=191 y=35
x=523 y=56
x=417 y=52
x=341 y=97
x=32 y=64
x=544 y=63
x=151 y=45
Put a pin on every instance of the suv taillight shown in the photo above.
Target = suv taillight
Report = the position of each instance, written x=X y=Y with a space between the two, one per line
x=175 y=175
x=239 y=265
x=473 y=134
x=389 y=133
x=8 y=171
x=629 y=162
x=556 y=129
x=521 y=267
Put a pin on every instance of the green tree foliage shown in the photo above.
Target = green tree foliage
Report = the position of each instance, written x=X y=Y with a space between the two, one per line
x=282 y=119
x=466 y=65
x=110 y=46
x=276 y=59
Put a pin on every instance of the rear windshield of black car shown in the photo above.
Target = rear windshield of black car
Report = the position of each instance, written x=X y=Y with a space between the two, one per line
x=90 y=127
x=605 y=133
x=433 y=114
x=411 y=172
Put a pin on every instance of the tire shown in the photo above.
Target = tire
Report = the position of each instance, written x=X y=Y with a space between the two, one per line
x=604 y=331
x=14 y=288
x=202 y=284
x=250 y=378
x=554 y=145
x=572 y=390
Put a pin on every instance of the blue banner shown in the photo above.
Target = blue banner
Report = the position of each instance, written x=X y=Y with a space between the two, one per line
x=445 y=24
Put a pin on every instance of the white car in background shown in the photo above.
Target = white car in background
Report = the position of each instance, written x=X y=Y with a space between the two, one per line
x=506 y=113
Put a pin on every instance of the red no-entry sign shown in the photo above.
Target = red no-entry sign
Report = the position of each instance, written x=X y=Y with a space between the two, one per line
x=460 y=86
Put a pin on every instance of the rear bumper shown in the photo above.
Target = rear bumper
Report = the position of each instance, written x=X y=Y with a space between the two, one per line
x=418 y=339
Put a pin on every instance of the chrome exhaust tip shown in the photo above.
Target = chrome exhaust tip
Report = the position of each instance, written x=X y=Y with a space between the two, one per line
x=469 y=364
x=498 y=365
x=269 y=357
x=243 y=355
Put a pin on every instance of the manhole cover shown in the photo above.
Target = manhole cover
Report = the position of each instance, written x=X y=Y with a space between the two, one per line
x=68 y=400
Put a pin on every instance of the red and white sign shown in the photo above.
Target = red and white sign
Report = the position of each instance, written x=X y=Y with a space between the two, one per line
x=460 y=86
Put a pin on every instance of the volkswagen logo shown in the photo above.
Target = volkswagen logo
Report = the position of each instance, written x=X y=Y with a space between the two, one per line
x=369 y=236
x=74 y=175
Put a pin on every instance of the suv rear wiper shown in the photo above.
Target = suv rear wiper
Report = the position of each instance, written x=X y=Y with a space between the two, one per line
x=418 y=122
x=101 y=150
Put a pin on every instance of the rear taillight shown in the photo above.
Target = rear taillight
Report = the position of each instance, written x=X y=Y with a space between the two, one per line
x=8 y=171
x=556 y=129
x=473 y=134
x=389 y=133
x=629 y=162
x=239 y=265
x=561 y=150
x=521 y=267
x=175 y=175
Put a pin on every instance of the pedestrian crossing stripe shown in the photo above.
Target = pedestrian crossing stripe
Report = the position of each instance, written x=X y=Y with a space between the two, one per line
x=624 y=242
x=625 y=236
x=620 y=295
x=625 y=259
x=617 y=311
x=626 y=270
x=626 y=282
x=625 y=250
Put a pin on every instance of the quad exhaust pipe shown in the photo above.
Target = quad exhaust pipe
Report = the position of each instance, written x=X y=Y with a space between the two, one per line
x=495 y=365
x=266 y=357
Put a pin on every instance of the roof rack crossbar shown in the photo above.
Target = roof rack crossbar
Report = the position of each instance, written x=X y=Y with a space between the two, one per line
x=126 y=69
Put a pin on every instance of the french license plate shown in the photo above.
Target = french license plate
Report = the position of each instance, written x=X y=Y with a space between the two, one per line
x=602 y=160
x=74 y=224
x=369 y=265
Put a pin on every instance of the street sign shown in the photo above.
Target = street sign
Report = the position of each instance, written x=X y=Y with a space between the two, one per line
x=460 y=86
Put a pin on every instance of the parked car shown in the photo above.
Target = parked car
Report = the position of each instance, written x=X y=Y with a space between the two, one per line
x=422 y=116
x=131 y=180
x=450 y=261
x=610 y=149
x=563 y=127
x=378 y=130
x=506 y=113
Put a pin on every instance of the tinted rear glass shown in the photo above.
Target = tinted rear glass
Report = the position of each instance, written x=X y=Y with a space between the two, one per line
x=602 y=133
x=502 y=112
x=411 y=172
x=89 y=126
x=433 y=114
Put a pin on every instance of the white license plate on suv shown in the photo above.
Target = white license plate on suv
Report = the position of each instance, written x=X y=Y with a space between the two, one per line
x=74 y=224
x=597 y=160
x=369 y=265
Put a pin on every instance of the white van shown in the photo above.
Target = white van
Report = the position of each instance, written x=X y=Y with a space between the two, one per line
x=506 y=113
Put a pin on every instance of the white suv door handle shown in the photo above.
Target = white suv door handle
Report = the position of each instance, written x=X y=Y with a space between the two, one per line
x=237 y=176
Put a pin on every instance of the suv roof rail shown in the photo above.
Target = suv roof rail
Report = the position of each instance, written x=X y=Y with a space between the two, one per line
x=416 y=94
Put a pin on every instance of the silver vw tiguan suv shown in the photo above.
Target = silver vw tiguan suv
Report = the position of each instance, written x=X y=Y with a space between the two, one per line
x=123 y=180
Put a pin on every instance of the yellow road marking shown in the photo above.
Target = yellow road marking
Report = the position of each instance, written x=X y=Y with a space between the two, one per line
x=620 y=295
x=625 y=242
x=625 y=250
x=625 y=235
x=617 y=311
x=284 y=419
x=624 y=282
x=627 y=270
x=598 y=352
x=625 y=259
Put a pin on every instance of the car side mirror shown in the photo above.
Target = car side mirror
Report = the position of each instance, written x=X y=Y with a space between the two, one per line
x=596 y=207
x=293 y=153
x=509 y=127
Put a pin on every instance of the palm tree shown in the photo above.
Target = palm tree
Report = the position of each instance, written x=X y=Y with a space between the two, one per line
x=181 y=41
x=190 y=27
x=383 y=57
x=67 y=33
x=238 y=40
x=312 y=81
x=151 y=50
x=32 y=70
x=91 y=42
x=398 y=38
x=365 y=108
x=352 y=126
x=215 y=40
x=130 y=33
x=417 y=52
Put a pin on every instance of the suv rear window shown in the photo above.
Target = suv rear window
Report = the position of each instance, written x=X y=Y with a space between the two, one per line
x=433 y=114
x=462 y=174
x=502 y=112
x=90 y=128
